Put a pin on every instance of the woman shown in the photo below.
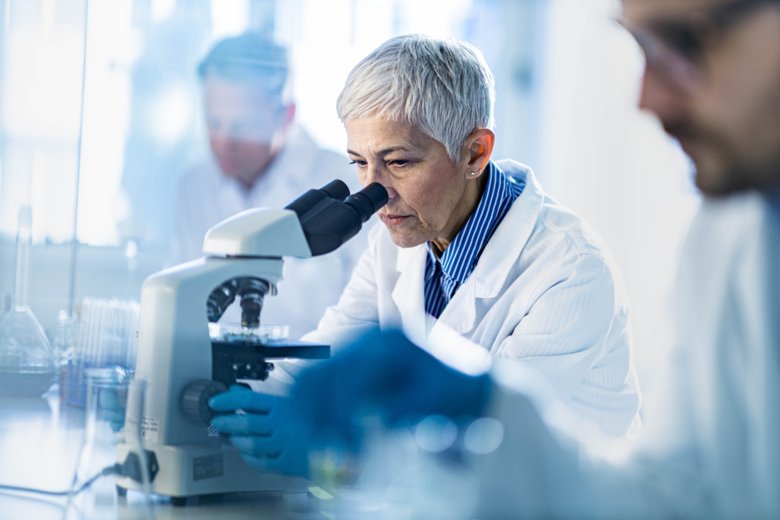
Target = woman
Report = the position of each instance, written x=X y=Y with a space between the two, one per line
x=468 y=245
x=475 y=244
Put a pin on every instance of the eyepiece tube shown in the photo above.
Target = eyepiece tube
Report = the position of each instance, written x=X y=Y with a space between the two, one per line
x=330 y=220
x=368 y=200
x=335 y=189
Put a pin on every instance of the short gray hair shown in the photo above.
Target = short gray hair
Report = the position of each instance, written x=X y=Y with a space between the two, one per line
x=443 y=87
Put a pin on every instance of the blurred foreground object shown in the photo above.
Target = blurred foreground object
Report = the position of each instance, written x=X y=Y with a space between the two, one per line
x=382 y=374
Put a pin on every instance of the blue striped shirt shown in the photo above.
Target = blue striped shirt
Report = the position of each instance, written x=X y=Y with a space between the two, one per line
x=443 y=276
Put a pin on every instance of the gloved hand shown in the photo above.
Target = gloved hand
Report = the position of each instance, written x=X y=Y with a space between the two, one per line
x=265 y=429
x=382 y=373
x=385 y=374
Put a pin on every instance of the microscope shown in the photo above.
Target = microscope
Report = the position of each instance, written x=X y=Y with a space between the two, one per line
x=185 y=357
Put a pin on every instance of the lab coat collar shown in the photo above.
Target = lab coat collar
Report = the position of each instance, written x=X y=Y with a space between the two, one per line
x=490 y=273
x=460 y=257
x=500 y=253
x=511 y=236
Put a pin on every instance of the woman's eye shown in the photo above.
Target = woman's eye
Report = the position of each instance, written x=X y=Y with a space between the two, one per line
x=398 y=162
x=359 y=164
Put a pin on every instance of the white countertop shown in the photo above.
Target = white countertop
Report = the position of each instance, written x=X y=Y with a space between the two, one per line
x=39 y=446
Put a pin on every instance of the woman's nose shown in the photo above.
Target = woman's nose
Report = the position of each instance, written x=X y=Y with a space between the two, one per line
x=375 y=174
x=391 y=193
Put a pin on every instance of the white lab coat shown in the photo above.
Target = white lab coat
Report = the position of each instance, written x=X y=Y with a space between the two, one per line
x=205 y=197
x=543 y=294
x=712 y=447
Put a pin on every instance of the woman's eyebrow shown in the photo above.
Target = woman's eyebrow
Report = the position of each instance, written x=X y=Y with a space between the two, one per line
x=384 y=151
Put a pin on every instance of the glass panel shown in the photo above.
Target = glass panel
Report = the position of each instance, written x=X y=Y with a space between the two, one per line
x=41 y=90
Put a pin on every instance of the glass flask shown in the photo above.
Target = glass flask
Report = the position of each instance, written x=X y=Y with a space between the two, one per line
x=26 y=359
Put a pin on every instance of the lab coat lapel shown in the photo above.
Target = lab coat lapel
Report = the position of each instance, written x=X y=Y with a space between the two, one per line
x=495 y=263
x=510 y=238
x=460 y=314
x=408 y=293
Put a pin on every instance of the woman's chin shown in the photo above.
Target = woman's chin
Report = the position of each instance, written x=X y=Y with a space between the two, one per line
x=405 y=239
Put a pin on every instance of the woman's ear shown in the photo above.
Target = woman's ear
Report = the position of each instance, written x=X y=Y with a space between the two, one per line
x=478 y=148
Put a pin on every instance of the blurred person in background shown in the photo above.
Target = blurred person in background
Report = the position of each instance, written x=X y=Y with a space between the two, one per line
x=711 y=448
x=260 y=158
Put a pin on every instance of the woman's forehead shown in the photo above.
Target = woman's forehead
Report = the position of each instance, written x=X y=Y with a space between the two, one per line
x=380 y=136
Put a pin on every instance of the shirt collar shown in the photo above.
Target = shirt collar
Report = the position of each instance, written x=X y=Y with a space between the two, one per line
x=461 y=255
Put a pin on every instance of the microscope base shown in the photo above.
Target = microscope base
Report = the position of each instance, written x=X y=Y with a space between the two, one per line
x=198 y=469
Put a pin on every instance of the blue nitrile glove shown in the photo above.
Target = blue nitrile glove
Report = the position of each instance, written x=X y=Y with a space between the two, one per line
x=381 y=373
x=385 y=374
x=264 y=428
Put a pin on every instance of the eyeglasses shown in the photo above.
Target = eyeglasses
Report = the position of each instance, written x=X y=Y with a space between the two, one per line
x=674 y=47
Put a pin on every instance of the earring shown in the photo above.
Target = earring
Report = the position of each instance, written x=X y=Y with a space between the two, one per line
x=473 y=174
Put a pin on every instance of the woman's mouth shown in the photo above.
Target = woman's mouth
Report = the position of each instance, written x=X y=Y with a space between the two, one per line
x=393 y=220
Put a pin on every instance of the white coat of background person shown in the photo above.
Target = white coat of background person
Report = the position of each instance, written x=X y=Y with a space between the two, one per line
x=711 y=448
x=260 y=158
x=520 y=275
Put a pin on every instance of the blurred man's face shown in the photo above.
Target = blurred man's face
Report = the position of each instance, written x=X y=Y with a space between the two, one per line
x=245 y=129
x=713 y=78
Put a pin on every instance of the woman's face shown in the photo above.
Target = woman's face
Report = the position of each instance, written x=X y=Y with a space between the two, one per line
x=430 y=196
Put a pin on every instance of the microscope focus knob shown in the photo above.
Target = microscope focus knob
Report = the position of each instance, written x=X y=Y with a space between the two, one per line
x=195 y=400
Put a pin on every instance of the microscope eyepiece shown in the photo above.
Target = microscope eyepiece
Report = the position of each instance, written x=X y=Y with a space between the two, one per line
x=330 y=216
x=368 y=200
x=335 y=189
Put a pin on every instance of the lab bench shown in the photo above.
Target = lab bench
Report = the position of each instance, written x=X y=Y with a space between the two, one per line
x=39 y=447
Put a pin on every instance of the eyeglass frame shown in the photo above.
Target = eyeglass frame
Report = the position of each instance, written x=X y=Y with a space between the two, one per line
x=702 y=28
